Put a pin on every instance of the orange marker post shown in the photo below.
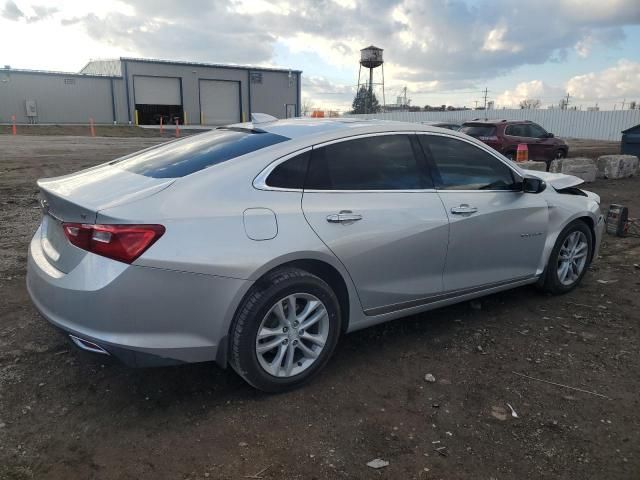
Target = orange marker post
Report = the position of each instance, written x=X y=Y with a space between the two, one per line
x=177 y=128
x=161 y=129
x=92 y=127
x=522 y=155
x=13 y=125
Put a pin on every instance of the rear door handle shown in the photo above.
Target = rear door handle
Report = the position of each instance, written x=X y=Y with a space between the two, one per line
x=345 y=216
x=464 y=209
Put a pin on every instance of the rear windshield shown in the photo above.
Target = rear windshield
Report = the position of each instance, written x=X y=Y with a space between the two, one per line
x=192 y=154
x=479 y=130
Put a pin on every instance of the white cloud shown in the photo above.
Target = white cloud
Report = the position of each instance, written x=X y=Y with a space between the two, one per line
x=605 y=87
x=535 y=89
x=617 y=82
x=495 y=42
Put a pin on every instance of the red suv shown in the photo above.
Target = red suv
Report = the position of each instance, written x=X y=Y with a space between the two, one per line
x=505 y=136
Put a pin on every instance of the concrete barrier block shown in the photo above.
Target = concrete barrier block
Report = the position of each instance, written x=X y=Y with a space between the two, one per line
x=556 y=166
x=584 y=168
x=539 y=166
x=617 y=166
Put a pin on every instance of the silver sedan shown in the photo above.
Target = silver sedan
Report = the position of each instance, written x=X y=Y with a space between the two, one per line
x=259 y=244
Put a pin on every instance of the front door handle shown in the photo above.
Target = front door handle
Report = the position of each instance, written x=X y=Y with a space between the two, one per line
x=464 y=209
x=345 y=216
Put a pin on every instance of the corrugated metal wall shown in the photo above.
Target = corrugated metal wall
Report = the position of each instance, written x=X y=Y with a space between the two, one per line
x=603 y=125
x=59 y=98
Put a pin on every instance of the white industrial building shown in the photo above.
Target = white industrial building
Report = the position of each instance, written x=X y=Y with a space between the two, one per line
x=133 y=90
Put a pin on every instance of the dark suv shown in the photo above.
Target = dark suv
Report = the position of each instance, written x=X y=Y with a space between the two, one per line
x=505 y=136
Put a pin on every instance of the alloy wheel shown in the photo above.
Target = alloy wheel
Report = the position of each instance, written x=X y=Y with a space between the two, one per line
x=292 y=335
x=572 y=258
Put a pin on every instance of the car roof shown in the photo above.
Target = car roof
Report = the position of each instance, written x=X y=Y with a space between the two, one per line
x=304 y=128
x=435 y=123
x=487 y=121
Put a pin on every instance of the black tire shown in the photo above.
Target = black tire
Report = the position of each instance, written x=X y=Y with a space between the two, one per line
x=551 y=281
x=276 y=286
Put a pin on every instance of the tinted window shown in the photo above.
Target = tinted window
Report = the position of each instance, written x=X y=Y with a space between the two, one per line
x=462 y=166
x=518 y=130
x=291 y=173
x=479 y=130
x=536 y=131
x=374 y=163
x=177 y=159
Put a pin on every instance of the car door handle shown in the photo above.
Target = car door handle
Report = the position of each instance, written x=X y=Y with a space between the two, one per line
x=345 y=216
x=464 y=209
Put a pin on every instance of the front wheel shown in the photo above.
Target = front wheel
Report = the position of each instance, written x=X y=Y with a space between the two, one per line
x=569 y=259
x=285 y=330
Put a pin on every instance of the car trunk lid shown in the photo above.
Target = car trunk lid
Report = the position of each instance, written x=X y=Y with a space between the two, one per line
x=78 y=198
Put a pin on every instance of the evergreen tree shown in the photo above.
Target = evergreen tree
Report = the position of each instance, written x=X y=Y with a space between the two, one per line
x=365 y=101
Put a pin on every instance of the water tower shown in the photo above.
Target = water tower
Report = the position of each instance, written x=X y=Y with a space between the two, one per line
x=371 y=58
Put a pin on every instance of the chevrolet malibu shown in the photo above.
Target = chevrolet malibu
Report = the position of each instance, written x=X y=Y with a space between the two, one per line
x=258 y=245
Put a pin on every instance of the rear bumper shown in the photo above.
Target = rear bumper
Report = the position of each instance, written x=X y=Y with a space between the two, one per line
x=141 y=315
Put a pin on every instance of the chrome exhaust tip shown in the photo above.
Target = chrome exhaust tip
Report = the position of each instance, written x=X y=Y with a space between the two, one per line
x=87 y=345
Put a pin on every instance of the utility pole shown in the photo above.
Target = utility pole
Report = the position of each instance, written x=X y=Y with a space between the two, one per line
x=566 y=102
x=623 y=102
x=476 y=102
x=485 y=97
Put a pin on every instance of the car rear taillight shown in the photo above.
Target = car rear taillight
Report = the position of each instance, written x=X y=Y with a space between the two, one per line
x=488 y=139
x=124 y=243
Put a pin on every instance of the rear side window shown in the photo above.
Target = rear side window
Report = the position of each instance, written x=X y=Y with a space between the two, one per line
x=384 y=162
x=479 y=130
x=192 y=154
x=290 y=173
x=462 y=166
x=518 y=130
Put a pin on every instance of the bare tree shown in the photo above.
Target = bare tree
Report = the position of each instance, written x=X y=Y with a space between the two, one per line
x=632 y=105
x=530 y=103
x=306 y=107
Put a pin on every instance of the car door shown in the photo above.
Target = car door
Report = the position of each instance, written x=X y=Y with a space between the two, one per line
x=371 y=201
x=541 y=146
x=497 y=232
x=515 y=135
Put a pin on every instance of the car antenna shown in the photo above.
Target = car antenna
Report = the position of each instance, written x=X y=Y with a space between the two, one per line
x=262 y=118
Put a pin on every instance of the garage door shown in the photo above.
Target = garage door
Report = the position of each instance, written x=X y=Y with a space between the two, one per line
x=219 y=102
x=157 y=90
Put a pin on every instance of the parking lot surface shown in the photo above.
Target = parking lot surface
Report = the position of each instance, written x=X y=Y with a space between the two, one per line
x=67 y=414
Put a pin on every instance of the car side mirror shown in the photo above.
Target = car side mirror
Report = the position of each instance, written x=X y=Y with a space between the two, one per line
x=533 y=185
x=549 y=135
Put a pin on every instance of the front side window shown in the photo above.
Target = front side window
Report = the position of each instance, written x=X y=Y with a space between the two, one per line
x=192 y=154
x=383 y=162
x=536 y=131
x=462 y=166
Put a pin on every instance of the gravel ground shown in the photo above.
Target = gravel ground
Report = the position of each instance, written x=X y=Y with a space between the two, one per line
x=67 y=414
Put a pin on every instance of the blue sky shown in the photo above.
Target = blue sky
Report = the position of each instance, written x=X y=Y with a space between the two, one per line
x=443 y=51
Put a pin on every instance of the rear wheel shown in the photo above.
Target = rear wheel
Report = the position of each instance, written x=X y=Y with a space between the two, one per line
x=560 y=154
x=569 y=259
x=285 y=330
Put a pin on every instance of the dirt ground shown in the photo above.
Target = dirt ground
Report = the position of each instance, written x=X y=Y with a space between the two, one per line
x=67 y=414
x=591 y=148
